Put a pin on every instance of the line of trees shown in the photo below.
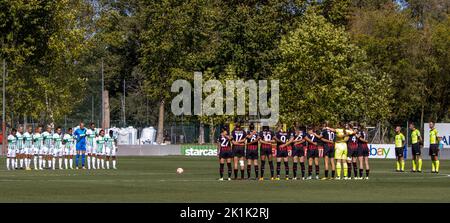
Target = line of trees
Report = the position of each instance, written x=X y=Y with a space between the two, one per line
x=380 y=61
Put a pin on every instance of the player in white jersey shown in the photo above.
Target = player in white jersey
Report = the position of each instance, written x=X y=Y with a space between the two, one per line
x=38 y=148
x=91 y=134
x=12 y=147
x=99 y=147
x=20 y=152
x=47 y=149
x=69 y=148
x=28 y=146
x=57 y=148
x=111 y=149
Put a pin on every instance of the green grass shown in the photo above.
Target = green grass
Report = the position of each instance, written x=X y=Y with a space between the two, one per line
x=153 y=179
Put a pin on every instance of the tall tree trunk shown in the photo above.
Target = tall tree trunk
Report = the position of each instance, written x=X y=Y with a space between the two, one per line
x=212 y=132
x=160 y=136
x=201 y=135
x=421 y=117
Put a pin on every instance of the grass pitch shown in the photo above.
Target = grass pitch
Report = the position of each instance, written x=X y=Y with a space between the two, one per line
x=154 y=179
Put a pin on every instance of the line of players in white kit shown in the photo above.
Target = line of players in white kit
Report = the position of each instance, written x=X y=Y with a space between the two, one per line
x=46 y=148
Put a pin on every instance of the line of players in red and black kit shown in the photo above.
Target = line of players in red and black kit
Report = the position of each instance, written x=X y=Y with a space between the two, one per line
x=303 y=143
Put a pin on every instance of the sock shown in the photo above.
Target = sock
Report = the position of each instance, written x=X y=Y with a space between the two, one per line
x=286 y=168
x=361 y=172
x=309 y=170
x=16 y=163
x=13 y=163
x=54 y=162
x=21 y=163
x=437 y=165
x=345 y=169
x=40 y=162
x=235 y=171
x=326 y=173
x=398 y=165
x=83 y=159
x=77 y=159
x=249 y=170
x=302 y=167
x=263 y=166
x=71 y=163
x=419 y=166
x=271 y=168
x=367 y=172
x=403 y=165
x=278 y=168
x=35 y=162
x=294 y=169
x=107 y=165
x=220 y=169
x=44 y=162
x=349 y=169
x=338 y=169
x=229 y=169
x=114 y=163
x=414 y=167
x=333 y=173
x=50 y=160
x=317 y=170
x=98 y=163
x=355 y=169
x=242 y=173
x=60 y=163
x=65 y=163
x=103 y=164
x=7 y=163
x=256 y=171
x=93 y=162
x=89 y=162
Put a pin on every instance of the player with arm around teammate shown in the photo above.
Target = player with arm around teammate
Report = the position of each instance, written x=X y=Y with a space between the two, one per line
x=57 y=148
x=28 y=144
x=252 y=152
x=12 y=149
x=111 y=149
x=266 y=139
x=352 y=146
x=313 y=153
x=20 y=152
x=340 y=153
x=283 y=139
x=327 y=137
x=38 y=146
x=69 y=148
x=225 y=153
x=298 y=152
x=90 y=144
x=100 y=149
x=238 y=136
x=363 y=152
x=48 y=147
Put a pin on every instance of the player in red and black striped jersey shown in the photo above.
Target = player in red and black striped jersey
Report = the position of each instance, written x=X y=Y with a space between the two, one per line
x=312 y=154
x=283 y=139
x=225 y=153
x=363 y=151
x=327 y=138
x=266 y=139
x=238 y=138
x=298 y=151
x=252 y=152
x=352 y=145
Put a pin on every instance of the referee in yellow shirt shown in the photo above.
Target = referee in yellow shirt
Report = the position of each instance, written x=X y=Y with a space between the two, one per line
x=416 y=139
x=399 y=149
x=434 y=148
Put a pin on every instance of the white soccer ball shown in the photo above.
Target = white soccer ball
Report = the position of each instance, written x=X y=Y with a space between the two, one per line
x=180 y=170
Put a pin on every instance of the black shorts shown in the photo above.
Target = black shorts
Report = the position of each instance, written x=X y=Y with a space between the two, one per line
x=266 y=150
x=399 y=151
x=328 y=150
x=225 y=153
x=312 y=153
x=252 y=154
x=298 y=151
x=363 y=150
x=282 y=153
x=415 y=149
x=238 y=151
x=434 y=150
x=352 y=152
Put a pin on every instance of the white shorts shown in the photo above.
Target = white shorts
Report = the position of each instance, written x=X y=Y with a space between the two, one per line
x=11 y=153
x=110 y=151
x=69 y=151
x=20 y=151
x=29 y=151
x=89 y=149
x=57 y=152
x=44 y=150
x=36 y=151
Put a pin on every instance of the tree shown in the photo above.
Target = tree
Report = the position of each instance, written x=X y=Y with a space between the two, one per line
x=323 y=76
